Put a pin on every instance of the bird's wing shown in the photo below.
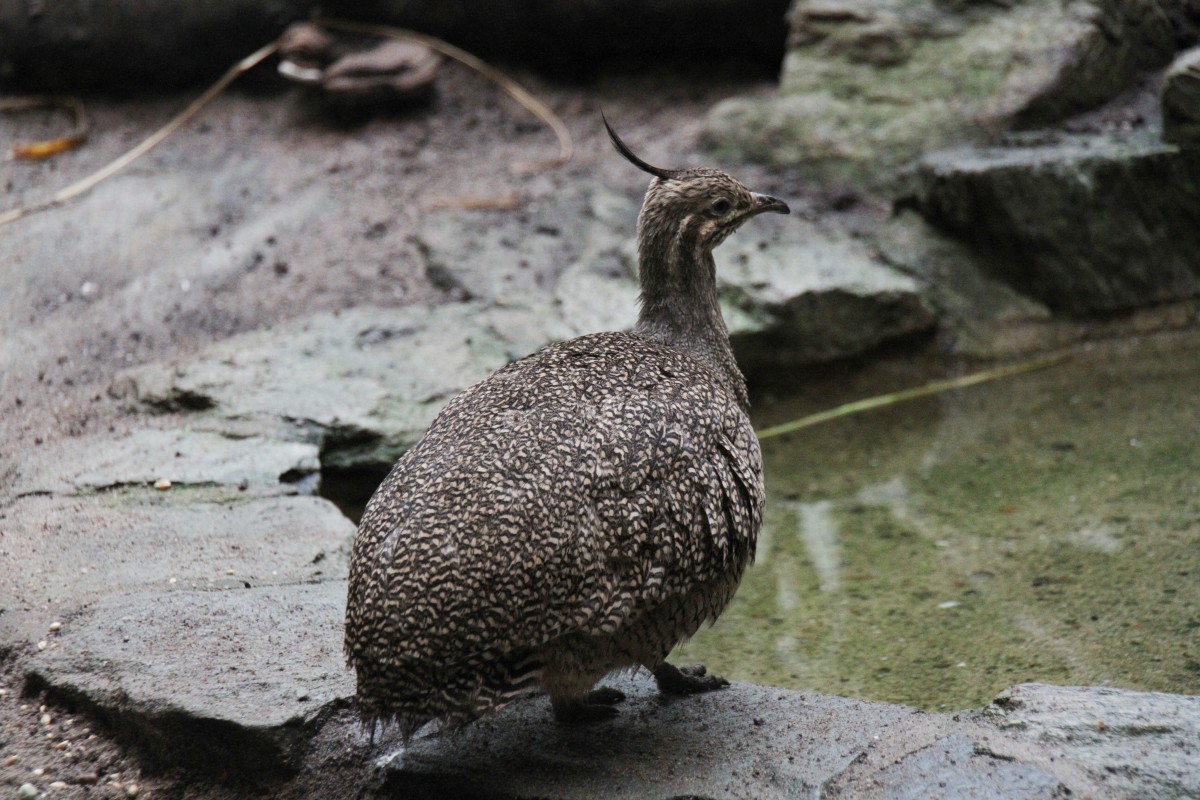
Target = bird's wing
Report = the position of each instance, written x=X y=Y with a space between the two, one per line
x=569 y=492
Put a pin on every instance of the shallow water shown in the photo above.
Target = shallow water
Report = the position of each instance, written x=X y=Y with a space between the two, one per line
x=1044 y=527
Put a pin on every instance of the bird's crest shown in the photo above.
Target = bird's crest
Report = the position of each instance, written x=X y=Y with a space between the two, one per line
x=623 y=149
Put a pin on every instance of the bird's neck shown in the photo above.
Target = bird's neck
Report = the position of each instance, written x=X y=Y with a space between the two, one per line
x=680 y=307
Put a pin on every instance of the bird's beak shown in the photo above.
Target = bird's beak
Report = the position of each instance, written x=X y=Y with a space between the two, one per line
x=764 y=202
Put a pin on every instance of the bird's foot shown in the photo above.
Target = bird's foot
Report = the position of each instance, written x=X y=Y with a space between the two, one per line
x=686 y=680
x=596 y=705
x=605 y=696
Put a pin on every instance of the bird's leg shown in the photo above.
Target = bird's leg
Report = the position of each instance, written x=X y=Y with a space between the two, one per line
x=686 y=680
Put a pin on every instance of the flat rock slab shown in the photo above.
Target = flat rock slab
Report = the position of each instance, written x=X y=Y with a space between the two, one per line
x=955 y=767
x=184 y=457
x=745 y=741
x=1129 y=744
x=361 y=384
x=230 y=683
x=760 y=742
x=70 y=551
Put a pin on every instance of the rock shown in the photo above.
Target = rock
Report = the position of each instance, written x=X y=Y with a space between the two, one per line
x=181 y=457
x=362 y=384
x=865 y=85
x=1181 y=100
x=1083 y=224
x=955 y=766
x=808 y=295
x=1130 y=744
x=978 y=315
x=231 y=684
x=792 y=292
x=250 y=679
x=745 y=741
x=76 y=550
x=758 y=742
x=584 y=236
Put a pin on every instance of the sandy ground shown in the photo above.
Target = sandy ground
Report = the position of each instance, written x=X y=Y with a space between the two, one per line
x=62 y=340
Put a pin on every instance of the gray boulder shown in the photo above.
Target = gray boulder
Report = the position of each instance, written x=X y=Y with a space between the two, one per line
x=797 y=293
x=1084 y=224
x=867 y=86
x=1128 y=744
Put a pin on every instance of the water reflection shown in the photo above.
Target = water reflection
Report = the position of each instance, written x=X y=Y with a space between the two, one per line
x=819 y=531
x=937 y=552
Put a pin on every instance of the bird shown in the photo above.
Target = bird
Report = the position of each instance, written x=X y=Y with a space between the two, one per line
x=577 y=513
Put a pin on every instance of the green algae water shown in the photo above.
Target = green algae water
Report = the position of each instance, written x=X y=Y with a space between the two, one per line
x=1045 y=527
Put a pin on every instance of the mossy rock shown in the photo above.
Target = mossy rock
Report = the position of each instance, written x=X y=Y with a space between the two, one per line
x=868 y=87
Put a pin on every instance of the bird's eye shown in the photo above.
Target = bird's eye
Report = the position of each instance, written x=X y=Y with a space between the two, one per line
x=720 y=207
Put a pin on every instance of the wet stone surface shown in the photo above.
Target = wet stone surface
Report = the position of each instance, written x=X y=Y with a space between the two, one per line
x=74 y=551
x=182 y=457
x=229 y=683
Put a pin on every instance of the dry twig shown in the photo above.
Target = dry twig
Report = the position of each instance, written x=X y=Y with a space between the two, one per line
x=152 y=141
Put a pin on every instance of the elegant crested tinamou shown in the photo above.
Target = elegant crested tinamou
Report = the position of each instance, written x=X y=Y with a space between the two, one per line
x=580 y=511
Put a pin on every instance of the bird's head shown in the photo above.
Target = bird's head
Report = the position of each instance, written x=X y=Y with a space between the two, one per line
x=694 y=209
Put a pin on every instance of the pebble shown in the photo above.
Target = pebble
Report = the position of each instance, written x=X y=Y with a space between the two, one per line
x=133 y=790
x=58 y=785
x=63 y=745
x=43 y=644
x=27 y=790
x=3 y=692
x=8 y=762
x=162 y=484
x=46 y=720
x=55 y=627
x=39 y=772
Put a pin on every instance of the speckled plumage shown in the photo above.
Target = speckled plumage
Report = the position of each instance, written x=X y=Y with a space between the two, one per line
x=580 y=511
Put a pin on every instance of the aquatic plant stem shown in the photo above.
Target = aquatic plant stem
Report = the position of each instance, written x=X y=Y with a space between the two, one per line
x=933 y=387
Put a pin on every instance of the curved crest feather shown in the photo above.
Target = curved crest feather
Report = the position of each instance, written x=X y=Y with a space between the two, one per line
x=623 y=149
